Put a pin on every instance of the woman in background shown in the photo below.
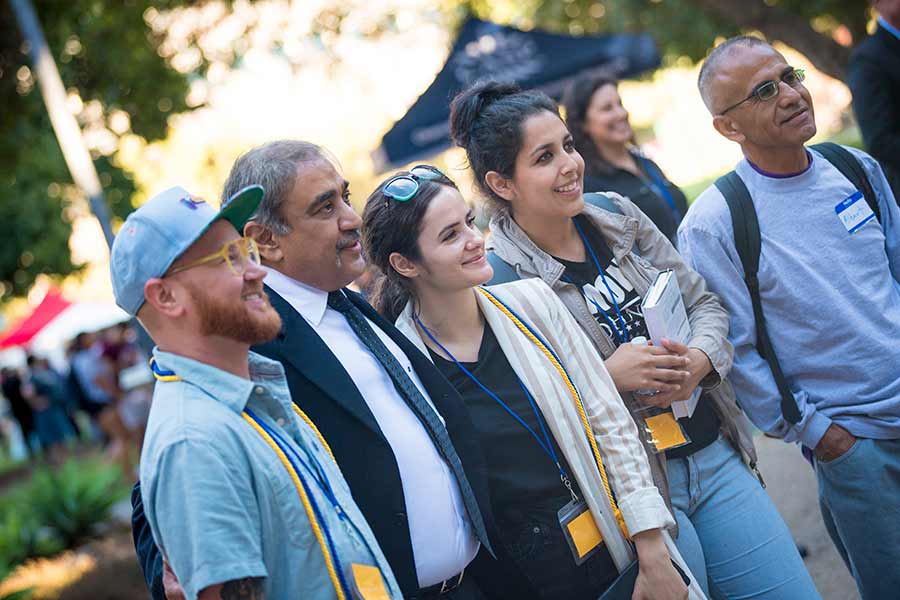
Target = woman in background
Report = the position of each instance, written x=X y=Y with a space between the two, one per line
x=612 y=162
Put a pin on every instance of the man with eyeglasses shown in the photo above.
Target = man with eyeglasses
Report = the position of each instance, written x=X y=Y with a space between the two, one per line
x=829 y=289
x=242 y=495
x=399 y=431
x=874 y=78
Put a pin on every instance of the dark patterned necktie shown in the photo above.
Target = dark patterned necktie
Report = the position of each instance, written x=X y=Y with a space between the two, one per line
x=416 y=401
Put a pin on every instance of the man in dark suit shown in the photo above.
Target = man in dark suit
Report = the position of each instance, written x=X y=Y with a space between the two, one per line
x=875 y=81
x=380 y=404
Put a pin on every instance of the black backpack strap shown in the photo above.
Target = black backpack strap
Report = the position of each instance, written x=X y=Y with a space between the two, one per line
x=747 y=242
x=503 y=271
x=850 y=167
x=602 y=201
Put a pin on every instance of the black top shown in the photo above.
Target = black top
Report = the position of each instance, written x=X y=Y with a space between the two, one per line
x=644 y=192
x=702 y=428
x=518 y=469
x=874 y=77
x=525 y=487
x=21 y=410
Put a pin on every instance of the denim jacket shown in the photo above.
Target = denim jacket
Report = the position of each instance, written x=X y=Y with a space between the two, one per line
x=641 y=252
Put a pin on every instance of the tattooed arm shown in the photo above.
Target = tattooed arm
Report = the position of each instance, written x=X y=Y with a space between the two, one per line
x=249 y=588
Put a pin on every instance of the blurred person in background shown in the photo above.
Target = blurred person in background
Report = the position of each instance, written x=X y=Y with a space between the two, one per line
x=612 y=161
x=136 y=384
x=46 y=394
x=85 y=369
x=874 y=79
x=95 y=370
x=18 y=405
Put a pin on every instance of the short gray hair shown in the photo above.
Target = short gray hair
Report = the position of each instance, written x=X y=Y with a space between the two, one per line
x=714 y=61
x=273 y=166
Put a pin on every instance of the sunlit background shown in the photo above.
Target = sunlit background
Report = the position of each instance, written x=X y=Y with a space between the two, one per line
x=338 y=73
x=344 y=93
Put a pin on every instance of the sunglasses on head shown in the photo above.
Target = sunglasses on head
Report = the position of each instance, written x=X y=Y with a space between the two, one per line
x=769 y=89
x=403 y=188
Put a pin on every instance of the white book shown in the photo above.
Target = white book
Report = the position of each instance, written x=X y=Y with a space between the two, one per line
x=666 y=317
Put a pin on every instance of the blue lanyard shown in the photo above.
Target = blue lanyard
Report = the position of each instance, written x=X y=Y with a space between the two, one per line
x=291 y=454
x=660 y=185
x=318 y=475
x=888 y=27
x=622 y=333
x=545 y=444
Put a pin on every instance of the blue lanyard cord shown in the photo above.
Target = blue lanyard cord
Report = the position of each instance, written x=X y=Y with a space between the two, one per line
x=656 y=175
x=623 y=333
x=318 y=475
x=287 y=450
x=602 y=313
x=545 y=444
x=324 y=485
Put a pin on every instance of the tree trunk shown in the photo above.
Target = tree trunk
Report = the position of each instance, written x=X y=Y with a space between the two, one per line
x=776 y=24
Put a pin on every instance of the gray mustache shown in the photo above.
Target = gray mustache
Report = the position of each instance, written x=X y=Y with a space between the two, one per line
x=351 y=239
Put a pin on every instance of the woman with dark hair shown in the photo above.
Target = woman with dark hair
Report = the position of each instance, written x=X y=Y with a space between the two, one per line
x=612 y=162
x=601 y=263
x=558 y=443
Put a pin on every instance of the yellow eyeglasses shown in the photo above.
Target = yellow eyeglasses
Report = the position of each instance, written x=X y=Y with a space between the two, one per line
x=237 y=255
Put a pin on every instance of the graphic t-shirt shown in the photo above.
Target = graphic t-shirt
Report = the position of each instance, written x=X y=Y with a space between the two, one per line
x=701 y=428
x=603 y=296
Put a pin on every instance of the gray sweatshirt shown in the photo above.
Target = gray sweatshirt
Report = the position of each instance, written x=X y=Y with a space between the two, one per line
x=831 y=300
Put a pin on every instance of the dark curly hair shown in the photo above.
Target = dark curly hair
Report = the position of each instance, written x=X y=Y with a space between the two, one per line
x=390 y=226
x=576 y=101
x=486 y=120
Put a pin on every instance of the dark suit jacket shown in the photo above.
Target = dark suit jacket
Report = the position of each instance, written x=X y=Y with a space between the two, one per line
x=321 y=387
x=874 y=78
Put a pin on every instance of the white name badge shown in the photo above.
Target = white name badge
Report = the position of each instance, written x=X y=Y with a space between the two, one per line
x=854 y=212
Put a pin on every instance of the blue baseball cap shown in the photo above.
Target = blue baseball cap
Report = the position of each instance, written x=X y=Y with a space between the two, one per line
x=161 y=230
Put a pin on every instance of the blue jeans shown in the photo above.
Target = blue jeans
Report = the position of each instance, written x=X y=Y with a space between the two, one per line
x=730 y=533
x=859 y=493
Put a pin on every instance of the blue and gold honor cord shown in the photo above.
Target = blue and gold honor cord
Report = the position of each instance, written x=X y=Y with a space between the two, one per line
x=551 y=356
x=326 y=544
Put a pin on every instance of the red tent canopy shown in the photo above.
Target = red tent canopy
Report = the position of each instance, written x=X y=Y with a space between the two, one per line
x=52 y=304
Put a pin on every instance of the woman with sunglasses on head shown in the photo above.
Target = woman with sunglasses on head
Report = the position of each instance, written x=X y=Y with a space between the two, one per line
x=603 y=136
x=553 y=438
x=600 y=262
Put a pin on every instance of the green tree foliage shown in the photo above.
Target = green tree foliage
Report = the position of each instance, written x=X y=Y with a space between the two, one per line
x=109 y=58
x=690 y=27
x=116 y=64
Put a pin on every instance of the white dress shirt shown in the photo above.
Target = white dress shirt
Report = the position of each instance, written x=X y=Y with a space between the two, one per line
x=443 y=542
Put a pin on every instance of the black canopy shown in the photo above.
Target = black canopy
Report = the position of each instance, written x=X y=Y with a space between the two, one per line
x=532 y=59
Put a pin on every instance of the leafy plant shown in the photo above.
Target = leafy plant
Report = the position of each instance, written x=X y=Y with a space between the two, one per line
x=22 y=536
x=56 y=509
x=73 y=499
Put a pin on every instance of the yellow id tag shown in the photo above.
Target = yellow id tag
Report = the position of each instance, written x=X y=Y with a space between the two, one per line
x=368 y=584
x=580 y=530
x=665 y=431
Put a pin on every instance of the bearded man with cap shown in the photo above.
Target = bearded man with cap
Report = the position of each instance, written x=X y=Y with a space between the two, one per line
x=241 y=492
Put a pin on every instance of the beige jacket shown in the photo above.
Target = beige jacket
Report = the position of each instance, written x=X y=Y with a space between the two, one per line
x=615 y=433
x=641 y=252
